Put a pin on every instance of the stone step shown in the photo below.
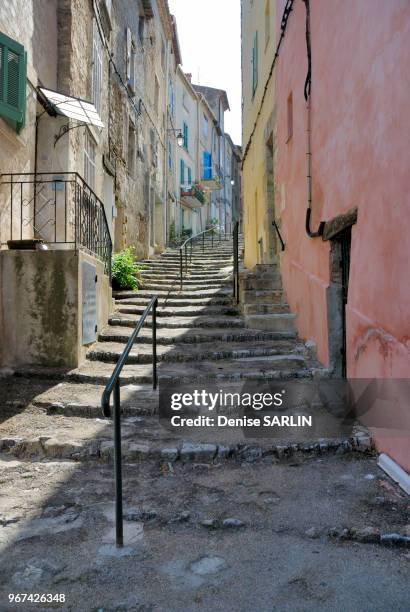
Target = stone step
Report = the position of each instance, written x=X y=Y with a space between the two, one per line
x=130 y=320
x=178 y=301
x=195 y=267
x=154 y=286
x=205 y=351
x=184 y=294
x=187 y=281
x=262 y=296
x=155 y=275
x=84 y=399
x=200 y=259
x=182 y=311
x=276 y=367
x=182 y=335
x=271 y=322
x=259 y=284
x=270 y=308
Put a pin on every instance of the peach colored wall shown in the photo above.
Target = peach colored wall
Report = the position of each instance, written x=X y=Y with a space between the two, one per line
x=360 y=157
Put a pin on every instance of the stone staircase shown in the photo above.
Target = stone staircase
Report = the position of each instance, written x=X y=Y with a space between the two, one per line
x=263 y=300
x=201 y=333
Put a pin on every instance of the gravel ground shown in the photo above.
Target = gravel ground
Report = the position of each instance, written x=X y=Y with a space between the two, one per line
x=300 y=533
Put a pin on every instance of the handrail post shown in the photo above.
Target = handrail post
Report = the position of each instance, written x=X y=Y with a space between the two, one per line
x=117 y=467
x=154 y=345
x=186 y=259
x=180 y=268
x=203 y=243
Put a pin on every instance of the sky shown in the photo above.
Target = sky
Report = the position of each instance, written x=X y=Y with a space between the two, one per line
x=209 y=33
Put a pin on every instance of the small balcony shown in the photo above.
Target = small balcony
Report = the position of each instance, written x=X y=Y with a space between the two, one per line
x=57 y=210
x=192 y=196
x=211 y=179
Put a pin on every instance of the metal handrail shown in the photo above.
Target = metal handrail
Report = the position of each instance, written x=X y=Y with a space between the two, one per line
x=184 y=246
x=275 y=225
x=113 y=385
x=236 y=262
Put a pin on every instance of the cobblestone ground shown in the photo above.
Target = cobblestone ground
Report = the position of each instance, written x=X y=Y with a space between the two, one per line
x=308 y=530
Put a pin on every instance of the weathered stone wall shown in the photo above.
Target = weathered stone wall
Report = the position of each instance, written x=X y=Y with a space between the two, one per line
x=41 y=307
x=38 y=316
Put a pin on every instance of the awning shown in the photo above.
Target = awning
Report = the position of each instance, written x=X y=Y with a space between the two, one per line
x=74 y=108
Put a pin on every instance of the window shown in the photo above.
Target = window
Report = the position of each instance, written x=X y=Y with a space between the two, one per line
x=163 y=55
x=185 y=136
x=185 y=101
x=189 y=177
x=131 y=62
x=255 y=64
x=182 y=172
x=141 y=28
x=89 y=159
x=169 y=155
x=205 y=126
x=97 y=74
x=267 y=22
x=207 y=165
x=290 y=117
x=13 y=77
x=131 y=149
x=171 y=98
x=156 y=96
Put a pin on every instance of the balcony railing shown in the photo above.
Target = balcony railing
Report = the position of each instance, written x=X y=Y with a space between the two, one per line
x=59 y=209
x=193 y=191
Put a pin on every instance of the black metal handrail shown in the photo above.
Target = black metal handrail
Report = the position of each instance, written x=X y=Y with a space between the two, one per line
x=60 y=208
x=236 y=261
x=275 y=225
x=113 y=385
x=190 y=241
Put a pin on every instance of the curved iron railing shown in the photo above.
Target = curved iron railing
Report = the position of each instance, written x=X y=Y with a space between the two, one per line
x=113 y=385
x=56 y=208
x=184 y=245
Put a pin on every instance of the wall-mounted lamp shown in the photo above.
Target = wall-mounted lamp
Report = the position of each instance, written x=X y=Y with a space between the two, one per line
x=180 y=138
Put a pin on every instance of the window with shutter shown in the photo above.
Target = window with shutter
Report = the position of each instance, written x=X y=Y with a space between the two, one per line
x=207 y=165
x=185 y=136
x=182 y=172
x=13 y=78
x=255 y=64
x=189 y=177
x=97 y=74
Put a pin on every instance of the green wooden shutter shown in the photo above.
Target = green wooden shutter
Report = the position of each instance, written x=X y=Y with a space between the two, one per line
x=182 y=172
x=255 y=63
x=189 y=177
x=13 y=78
x=185 y=136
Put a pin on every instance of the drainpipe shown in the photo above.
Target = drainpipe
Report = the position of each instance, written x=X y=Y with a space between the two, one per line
x=167 y=133
x=307 y=94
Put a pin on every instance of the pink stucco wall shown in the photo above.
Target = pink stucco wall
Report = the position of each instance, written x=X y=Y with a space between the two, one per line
x=360 y=157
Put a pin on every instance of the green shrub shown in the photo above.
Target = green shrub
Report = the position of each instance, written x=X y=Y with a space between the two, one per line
x=125 y=270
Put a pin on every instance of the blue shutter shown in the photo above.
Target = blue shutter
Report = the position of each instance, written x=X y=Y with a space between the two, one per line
x=185 y=136
x=207 y=165
x=182 y=172
x=189 y=176
x=13 y=80
x=255 y=54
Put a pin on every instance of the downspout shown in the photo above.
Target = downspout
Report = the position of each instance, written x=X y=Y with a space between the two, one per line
x=167 y=133
x=307 y=94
